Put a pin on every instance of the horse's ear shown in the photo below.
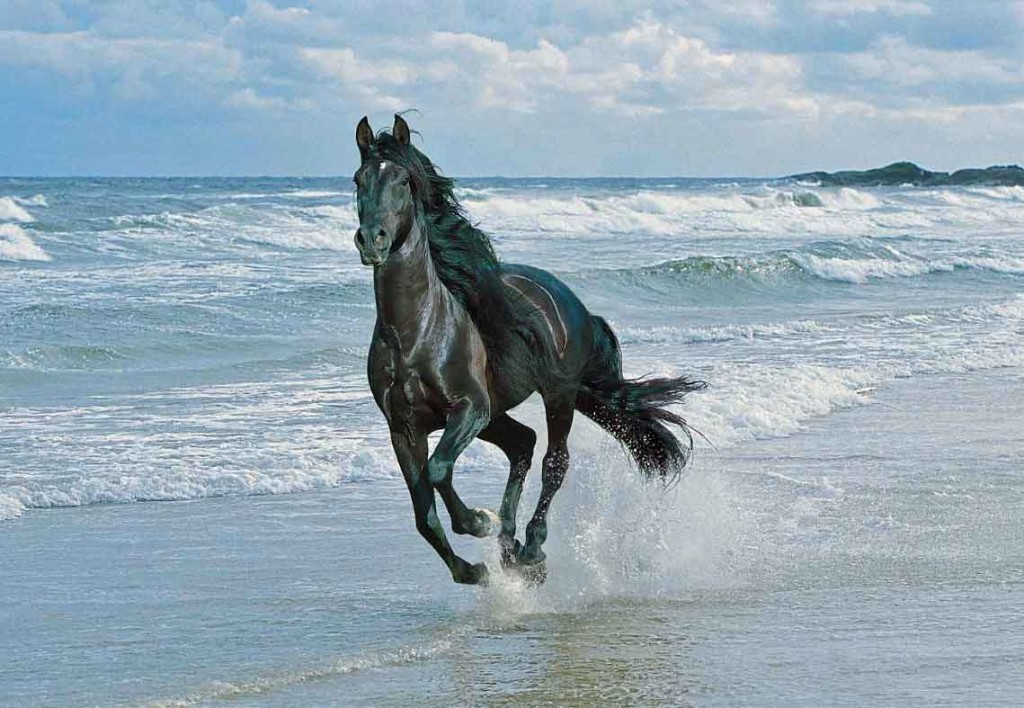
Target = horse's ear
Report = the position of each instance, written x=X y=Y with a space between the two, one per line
x=400 y=130
x=364 y=137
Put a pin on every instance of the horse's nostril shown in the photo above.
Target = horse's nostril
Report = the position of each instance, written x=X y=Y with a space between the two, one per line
x=381 y=235
x=360 y=239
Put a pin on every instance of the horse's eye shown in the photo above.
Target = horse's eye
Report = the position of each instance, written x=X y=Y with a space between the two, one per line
x=405 y=182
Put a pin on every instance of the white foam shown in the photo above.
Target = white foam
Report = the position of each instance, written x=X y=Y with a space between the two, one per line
x=295 y=194
x=10 y=508
x=756 y=401
x=768 y=211
x=325 y=227
x=722 y=333
x=674 y=212
x=17 y=245
x=1007 y=264
x=1011 y=193
x=36 y=200
x=849 y=198
x=614 y=535
x=752 y=402
x=122 y=457
x=315 y=194
x=10 y=210
x=859 y=270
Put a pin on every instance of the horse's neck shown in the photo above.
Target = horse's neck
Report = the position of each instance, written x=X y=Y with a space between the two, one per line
x=410 y=295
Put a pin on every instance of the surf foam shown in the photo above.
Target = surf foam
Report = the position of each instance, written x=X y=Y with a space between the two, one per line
x=11 y=210
x=17 y=245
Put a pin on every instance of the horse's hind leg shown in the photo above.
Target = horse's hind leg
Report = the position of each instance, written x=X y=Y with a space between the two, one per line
x=556 y=462
x=517 y=441
x=411 y=451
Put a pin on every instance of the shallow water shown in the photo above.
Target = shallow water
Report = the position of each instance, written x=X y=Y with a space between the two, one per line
x=853 y=536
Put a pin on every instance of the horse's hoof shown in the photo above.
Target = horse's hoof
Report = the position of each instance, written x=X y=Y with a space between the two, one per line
x=490 y=523
x=472 y=574
x=478 y=522
x=510 y=549
x=530 y=566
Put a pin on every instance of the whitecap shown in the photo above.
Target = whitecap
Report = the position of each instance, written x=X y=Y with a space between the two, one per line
x=36 y=200
x=859 y=270
x=11 y=210
x=10 y=508
x=17 y=245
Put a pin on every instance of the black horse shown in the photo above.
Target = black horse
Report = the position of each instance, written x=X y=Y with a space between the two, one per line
x=461 y=338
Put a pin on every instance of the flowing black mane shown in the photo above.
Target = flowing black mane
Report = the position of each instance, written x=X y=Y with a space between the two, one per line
x=462 y=254
x=467 y=265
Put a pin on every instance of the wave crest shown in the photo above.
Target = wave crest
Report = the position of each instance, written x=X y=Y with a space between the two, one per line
x=853 y=262
x=17 y=245
x=11 y=210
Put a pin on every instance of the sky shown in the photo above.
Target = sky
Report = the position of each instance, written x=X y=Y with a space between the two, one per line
x=555 y=88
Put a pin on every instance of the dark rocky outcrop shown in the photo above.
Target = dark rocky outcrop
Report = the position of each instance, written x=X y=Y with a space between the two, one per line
x=907 y=173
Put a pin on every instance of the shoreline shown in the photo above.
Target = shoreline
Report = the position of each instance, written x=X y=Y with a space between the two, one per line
x=168 y=595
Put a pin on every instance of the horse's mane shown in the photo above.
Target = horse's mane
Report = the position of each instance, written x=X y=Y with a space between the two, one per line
x=462 y=254
x=467 y=265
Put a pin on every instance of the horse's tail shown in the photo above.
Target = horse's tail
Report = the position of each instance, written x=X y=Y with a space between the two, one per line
x=633 y=410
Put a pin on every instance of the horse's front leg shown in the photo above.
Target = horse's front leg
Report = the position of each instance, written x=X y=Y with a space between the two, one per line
x=465 y=421
x=411 y=451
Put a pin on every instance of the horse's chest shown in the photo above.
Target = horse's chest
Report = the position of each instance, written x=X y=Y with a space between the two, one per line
x=407 y=399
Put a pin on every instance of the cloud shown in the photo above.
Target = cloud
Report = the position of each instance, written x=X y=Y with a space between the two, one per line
x=263 y=23
x=753 y=73
x=645 y=69
x=897 y=8
x=895 y=62
x=270 y=57
x=132 y=64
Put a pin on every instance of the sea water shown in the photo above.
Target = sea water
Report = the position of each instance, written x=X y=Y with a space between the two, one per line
x=850 y=529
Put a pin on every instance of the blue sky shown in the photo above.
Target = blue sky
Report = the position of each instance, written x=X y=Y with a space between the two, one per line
x=565 y=87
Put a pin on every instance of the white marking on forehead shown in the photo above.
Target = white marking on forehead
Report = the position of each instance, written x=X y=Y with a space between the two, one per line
x=383 y=164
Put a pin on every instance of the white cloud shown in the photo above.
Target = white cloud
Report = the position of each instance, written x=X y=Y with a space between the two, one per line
x=199 y=64
x=897 y=8
x=645 y=69
x=746 y=66
x=249 y=99
x=894 y=61
x=263 y=23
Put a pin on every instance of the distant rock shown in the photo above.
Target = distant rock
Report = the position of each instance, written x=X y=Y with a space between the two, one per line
x=907 y=173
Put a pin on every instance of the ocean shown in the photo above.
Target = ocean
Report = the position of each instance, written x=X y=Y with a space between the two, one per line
x=849 y=530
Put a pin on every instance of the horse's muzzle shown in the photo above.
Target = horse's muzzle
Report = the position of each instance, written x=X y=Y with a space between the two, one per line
x=372 y=252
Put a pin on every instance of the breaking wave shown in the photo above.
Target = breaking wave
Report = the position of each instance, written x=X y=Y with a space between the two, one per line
x=11 y=210
x=855 y=262
x=17 y=245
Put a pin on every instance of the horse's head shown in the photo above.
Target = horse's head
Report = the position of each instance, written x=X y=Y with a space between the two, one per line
x=383 y=194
